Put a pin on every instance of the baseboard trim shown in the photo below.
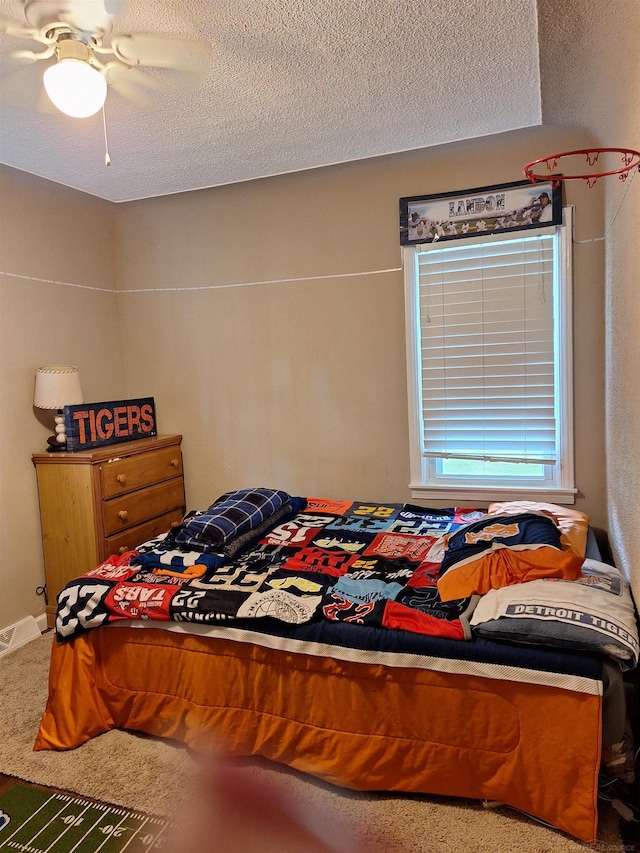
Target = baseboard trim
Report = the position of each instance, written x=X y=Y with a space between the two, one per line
x=41 y=622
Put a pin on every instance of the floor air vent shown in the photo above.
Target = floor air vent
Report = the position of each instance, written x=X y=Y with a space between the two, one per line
x=18 y=634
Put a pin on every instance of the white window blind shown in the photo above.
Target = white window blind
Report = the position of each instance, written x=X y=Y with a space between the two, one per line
x=486 y=346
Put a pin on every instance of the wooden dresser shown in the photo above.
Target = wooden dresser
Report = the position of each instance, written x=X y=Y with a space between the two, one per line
x=94 y=503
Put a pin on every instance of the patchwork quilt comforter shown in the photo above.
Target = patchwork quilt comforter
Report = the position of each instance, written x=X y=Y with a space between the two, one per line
x=263 y=554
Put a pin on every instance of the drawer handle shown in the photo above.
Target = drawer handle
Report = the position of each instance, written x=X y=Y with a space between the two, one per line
x=175 y=463
x=122 y=479
x=123 y=515
x=123 y=549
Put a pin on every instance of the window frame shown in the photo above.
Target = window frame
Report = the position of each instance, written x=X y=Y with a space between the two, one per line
x=562 y=489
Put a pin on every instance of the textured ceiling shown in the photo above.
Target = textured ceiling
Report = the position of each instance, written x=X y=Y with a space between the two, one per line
x=290 y=85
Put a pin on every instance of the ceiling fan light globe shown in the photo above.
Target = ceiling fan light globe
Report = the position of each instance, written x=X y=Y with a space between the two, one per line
x=75 y=88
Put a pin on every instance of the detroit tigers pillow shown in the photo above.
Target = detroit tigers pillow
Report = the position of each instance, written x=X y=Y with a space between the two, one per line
x=593 y=613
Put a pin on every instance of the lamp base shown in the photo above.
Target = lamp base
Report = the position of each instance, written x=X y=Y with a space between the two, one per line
x=54 y=446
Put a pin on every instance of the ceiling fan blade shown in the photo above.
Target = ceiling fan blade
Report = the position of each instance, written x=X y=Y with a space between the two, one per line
x=15 y=28
x=131 y=82
x=28 y=56
x=116 y=73
x=161 y=51
x=23 y=88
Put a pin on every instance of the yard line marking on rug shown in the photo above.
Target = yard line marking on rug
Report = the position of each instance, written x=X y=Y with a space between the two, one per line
x=50 y=823
x=5 y=842
x=78 y=825
x=90 y=830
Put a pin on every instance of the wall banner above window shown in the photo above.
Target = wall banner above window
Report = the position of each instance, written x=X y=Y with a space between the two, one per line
x=517 y=206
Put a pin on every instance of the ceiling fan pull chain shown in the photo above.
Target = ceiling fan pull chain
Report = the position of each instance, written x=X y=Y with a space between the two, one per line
x=107 y=158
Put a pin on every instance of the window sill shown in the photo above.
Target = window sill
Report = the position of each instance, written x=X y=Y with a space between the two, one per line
x=483 y=495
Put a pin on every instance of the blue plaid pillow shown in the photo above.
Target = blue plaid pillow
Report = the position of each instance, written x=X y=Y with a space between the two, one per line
x=233 y=513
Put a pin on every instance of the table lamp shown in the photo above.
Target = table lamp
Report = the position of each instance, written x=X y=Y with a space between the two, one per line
x=57 y=385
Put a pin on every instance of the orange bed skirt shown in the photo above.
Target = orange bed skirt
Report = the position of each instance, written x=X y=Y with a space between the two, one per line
x=362 y=726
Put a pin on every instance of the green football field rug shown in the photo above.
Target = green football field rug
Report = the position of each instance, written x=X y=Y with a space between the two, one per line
x=35 y=819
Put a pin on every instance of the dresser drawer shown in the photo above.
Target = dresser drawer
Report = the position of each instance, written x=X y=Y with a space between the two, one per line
x=120 y=476
x=134 y=508
x=135 y=536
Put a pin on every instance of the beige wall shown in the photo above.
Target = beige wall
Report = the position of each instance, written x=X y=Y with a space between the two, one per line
x=47 y=234
x=266 y=319
x=590 y=56
x=301 y=383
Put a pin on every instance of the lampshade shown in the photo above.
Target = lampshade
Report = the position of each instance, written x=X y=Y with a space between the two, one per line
x=73 y=85
x=57 y=385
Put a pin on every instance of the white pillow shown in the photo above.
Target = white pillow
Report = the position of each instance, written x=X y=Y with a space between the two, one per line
x=594 y=613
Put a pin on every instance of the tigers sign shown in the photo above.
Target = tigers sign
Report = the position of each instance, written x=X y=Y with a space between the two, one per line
x=99 y=424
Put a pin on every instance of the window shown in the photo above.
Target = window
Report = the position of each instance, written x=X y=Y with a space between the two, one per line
x=489 y=347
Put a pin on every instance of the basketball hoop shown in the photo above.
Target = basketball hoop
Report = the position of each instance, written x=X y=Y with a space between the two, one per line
x=629 y=160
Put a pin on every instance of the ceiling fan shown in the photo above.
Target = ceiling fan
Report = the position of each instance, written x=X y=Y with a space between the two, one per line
x=88 y=58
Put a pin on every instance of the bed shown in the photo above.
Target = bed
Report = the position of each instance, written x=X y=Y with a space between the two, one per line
x=382 y=647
